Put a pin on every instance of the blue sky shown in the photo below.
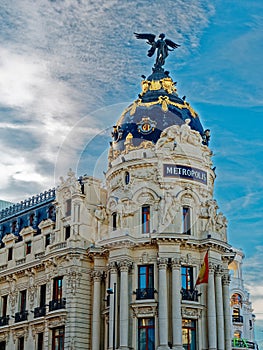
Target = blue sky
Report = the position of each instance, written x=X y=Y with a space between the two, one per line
x=68 y=69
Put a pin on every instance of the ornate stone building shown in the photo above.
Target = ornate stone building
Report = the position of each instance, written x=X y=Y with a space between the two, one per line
x=114 y=266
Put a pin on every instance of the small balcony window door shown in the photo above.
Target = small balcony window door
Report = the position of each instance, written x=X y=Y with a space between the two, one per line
x=67 y=232
x=22 y=304
x=145 y=282
x=145 y=219
x=4 y=305
x=189 y=334
x=146 y=334
x=10 y=254
x=58 y=335
x=68 y=207
x=40 y=341
x=57 y=288
x=187 y=278
x=42 y=296
x=21 y=343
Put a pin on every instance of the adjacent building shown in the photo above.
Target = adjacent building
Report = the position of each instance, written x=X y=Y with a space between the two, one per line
x=114 y=266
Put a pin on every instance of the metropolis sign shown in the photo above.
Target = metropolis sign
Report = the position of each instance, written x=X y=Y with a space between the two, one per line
x=185 y=172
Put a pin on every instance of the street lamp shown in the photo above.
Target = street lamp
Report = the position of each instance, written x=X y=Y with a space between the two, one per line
x=110 y=291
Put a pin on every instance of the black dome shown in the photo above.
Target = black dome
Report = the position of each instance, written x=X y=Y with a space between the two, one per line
x=157 y=108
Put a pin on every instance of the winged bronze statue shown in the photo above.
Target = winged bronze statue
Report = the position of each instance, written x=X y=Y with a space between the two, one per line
x=163 y=46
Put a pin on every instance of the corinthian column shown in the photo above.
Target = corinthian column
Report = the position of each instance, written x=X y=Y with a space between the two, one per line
x=124 y=305
x=226 y=305
x=211 y=310
x=96 y=310
x=113 y=281
x=163 y=306
x=176 y=304
x=219 y=310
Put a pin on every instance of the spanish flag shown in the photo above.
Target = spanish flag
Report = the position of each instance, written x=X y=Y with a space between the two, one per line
x=204 y=271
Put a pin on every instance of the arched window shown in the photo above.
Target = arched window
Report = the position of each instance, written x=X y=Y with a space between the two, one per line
x=236 y=299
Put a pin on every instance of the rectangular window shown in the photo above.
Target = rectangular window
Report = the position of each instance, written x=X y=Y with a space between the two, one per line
x=4 y=305
x=57 y=288
x=2 y=345
x=67 y=232
x=40 y=341
x=10 y=254
x=187 y=277
x=58 y=335
x=186 y=221
x=146 y=219
x=146 y=334
x=145 y=282
x=189 y=334
x=28 y=247
x=42 y=299
x=23 y=301
x=21 y=343
x=68 y=207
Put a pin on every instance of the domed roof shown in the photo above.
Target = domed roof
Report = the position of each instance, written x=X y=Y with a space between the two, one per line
x=157 y=108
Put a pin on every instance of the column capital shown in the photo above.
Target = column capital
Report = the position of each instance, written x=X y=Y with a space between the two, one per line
x=212 y=267
x=176 y=263
x=97 y=275
x=125 y=265
x=219 y=271
x=113 y=267
x=162 y=263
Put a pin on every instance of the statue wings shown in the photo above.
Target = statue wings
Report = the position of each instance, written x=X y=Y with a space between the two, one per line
x=151 y=41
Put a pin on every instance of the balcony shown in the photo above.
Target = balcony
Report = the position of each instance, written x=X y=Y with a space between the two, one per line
x=190 y=295
x=237 y=319
x=57 y=304
x=21 y=316
x=144 y=293
x=4 y=321
x=39 y=311
x=243 y=343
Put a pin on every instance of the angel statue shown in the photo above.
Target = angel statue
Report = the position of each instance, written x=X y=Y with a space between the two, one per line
x=162 y=45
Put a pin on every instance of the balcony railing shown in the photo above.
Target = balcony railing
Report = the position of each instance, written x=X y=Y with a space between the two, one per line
x=190 y=295
x=243 y=343
x=144 y=293
x=237 y=319
x=21 y=316
x=39 y=311
x=57 y=304
x=4 y=320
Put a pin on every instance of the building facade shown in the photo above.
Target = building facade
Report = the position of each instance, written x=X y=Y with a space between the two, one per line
x=114 y=266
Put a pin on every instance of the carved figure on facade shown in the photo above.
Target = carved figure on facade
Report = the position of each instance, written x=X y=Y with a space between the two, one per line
x=221 y=224
x=212 y=215
x=145 y=173
x=187 y=135
x=101 y=216
x=167 y=209
x=13 y=292
x=168 y=138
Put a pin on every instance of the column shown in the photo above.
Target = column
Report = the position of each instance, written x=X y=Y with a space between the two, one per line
x=163 y=306
x=113 y=279
x=219 y=310
x=226 y=306
x=176 y=304
x=211 y=310
x=96 y=310
x=124 y=305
